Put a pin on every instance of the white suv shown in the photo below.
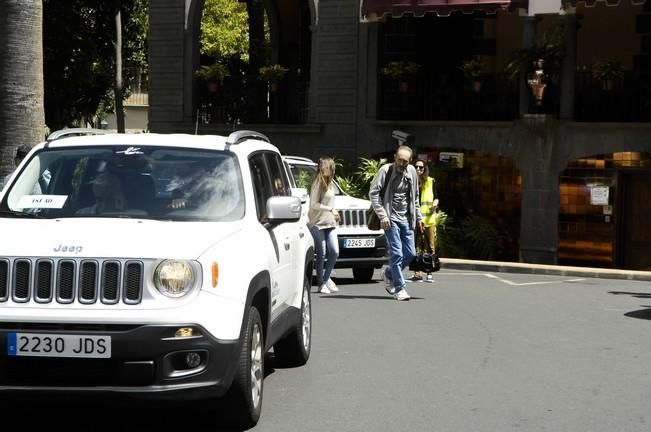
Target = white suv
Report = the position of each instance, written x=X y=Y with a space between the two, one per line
x=153 y=265
x=361 y=249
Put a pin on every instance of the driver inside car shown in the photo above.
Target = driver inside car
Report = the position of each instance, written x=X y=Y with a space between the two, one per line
x=107 y=190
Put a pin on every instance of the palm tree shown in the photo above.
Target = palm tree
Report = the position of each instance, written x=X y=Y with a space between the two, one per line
x=22 y=116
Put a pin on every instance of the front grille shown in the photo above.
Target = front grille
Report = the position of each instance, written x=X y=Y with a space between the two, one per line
x=44 y=278
x=4 y=279
x=68 y=280
x=352 y=218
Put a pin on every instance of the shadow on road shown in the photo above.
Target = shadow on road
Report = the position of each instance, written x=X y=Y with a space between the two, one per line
x=640 y=314
x=362 y=297
x=632 y=294
x=118 y=414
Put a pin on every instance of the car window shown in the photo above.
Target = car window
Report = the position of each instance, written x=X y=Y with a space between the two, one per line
x=303 y=175
x=122 y=181
x=261 y=184
x=279 y=178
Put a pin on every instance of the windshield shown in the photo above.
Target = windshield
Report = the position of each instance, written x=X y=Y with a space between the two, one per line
x=120 y=181
x=303 y=175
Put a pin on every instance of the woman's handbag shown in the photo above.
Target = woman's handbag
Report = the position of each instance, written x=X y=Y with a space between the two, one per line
x=425 y=262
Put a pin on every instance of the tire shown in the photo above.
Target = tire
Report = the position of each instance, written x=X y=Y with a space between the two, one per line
x=244 y=398
x=294 y=349
x=363 y=274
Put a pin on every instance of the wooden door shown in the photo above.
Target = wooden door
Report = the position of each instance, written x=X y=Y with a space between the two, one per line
x=636 y=221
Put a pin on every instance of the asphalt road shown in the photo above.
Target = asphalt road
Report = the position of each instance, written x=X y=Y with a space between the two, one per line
x=472 y=352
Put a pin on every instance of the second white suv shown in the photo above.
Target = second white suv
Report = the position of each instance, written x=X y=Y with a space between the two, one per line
x=361 y=249
x=153 y=265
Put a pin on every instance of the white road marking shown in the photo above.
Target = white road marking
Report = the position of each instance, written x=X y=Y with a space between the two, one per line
x=508 y=282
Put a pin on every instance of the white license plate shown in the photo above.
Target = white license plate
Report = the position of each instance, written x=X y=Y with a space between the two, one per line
x=359 y=243
x=54 y=345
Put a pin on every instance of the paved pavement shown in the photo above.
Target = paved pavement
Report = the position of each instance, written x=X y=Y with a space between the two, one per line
x=527 y=268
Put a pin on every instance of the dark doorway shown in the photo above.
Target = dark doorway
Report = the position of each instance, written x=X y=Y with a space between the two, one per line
x=634 y=222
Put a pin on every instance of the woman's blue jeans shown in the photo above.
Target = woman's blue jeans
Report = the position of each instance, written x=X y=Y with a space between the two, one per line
x=324 y=240
x=402 y=250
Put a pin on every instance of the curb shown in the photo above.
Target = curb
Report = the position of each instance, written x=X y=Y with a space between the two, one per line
x=544 y=269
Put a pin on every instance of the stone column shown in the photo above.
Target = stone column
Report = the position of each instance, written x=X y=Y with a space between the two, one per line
x=528 y=41
x=568 y=66
x=540 y=190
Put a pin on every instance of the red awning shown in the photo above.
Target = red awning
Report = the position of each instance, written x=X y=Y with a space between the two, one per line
x=373 y=10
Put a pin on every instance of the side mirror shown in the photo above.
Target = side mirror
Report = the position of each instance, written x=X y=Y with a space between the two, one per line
x=283 y=209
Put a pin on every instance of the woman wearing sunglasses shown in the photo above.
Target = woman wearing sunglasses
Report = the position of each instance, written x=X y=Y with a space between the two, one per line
x=428 y=206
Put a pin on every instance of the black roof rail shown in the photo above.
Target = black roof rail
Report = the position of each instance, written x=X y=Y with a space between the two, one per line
x=241 y=135
x=74 y=131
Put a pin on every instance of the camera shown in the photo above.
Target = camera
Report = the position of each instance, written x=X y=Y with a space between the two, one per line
x=402 y=137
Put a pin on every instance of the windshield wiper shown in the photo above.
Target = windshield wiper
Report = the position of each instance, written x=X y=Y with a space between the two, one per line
x=19 y=214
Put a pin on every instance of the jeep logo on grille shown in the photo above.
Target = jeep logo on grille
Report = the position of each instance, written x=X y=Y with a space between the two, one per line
x=70 y=248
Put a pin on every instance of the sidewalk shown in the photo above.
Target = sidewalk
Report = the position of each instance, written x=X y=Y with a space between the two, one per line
x=516 y=267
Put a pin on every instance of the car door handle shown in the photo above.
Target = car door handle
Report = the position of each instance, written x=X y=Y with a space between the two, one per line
x=287 y=243
x=301 y=234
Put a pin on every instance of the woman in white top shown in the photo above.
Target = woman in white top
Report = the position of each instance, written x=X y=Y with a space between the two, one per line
x=323 y=218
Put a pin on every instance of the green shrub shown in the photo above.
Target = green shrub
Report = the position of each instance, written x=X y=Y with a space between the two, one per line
x=482 y=239
x=351 y=187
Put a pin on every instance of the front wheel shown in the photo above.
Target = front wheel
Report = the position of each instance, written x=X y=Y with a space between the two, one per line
x=294 y=349
x=363 y=274
x=245 y=395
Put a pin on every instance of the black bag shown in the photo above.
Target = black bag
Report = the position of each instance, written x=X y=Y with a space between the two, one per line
x=372 y=221
x=425 y=262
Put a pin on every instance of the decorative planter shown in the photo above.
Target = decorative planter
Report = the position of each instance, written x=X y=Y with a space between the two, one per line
x=213 y=86
x=274 y=87
x=539 y=94
x=608 y=84
x=403 y=86
x=476 y=86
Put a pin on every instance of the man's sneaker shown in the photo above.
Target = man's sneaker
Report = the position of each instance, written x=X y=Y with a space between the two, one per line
x=323 y=289
x=415 y=278
x=331 y=286
x=429 y=279
x=391 y=290
x=402 y=295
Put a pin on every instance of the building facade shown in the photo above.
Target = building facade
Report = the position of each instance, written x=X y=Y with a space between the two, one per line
x=565 y=175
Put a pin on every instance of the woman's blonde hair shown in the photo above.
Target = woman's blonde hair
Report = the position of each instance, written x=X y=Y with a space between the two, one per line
x=325 y=173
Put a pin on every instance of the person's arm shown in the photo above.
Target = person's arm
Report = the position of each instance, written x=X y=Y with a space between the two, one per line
x=374 y=193
x=414 y=177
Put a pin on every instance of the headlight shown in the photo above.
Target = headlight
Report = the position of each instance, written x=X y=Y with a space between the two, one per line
x=174 y=278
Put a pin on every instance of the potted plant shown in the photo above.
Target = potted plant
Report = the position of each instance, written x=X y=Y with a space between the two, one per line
x=213 y=74
x=401 y=71
x=608 y=71
x=472 y=71
x=272 y=74
x=548 y=48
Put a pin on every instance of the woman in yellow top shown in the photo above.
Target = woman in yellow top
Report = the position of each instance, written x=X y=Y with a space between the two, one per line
x=428 y=206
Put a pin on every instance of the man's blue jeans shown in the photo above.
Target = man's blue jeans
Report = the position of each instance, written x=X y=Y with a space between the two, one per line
x=402 y=250
x=324 y=240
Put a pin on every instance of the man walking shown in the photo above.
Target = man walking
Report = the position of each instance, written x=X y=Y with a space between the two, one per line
x=394 y=197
